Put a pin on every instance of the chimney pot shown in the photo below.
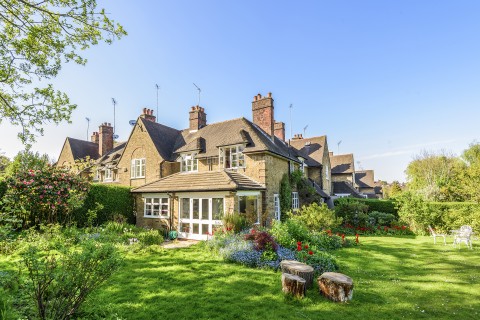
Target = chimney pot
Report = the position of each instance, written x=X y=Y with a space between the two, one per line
x=148 y=115
x=144 y=110
x=269 y=94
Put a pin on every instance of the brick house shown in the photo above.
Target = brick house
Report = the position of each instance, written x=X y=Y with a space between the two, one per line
x=188 y=179
x=365 y=181
x=343 y=176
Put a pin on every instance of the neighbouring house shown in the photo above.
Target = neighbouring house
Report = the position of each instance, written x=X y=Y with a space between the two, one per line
x=343 y=176
x=315 y=162
x=234 y=166
x=365 y=182
x=379 y=189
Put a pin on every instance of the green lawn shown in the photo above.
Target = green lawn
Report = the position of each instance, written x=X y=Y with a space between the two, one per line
x=395 y=278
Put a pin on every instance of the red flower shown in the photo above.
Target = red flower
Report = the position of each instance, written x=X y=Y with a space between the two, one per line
x=253 y=231
x=356 y=238
x=299 y=248
x=310 y=252
x=299 y=243
x=306 y=246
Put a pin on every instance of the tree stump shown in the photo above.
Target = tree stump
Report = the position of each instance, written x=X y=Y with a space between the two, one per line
x=299 y=269
x=336 y=286
x=293 y=285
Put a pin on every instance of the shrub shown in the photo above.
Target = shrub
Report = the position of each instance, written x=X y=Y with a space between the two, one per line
x=376 y=218
x=44 y=196
x=319 y=260
x=262 y=240
x=59 y=284
x=108 y=202
x=235 y=222
x=285 y=196
x=325 y=241
x=387 y=206
x=316 y=217
x=150 y=237
x=351 y=211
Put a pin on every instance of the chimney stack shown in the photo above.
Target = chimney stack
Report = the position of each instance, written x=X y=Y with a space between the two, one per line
x=198 y=118
x=148 y=115
x=297 y=136
x=105 y=140
x=262 y=109
x=94 y=137
x=279 y=129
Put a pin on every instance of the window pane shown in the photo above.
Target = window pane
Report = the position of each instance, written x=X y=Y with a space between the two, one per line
x=217 y=208
x=196 y=228
x=185 y=208
x=185 y=227
x=242 y=204
x=196 y=207
x=205 y=209
x=204 y=228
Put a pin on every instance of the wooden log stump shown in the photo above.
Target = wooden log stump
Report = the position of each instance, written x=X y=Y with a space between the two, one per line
x=336 y=286
x=293 y=285
x=299 y=269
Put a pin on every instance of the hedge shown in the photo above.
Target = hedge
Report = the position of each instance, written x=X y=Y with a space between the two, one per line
x=453 y=215
x=116 y=201
x=386 y=206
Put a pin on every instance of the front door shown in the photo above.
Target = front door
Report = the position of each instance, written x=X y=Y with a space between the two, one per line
x=199 y=216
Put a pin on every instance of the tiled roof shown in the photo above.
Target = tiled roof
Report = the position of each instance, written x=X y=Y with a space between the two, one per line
x=231 y=132
x=364 y=179
x=82 y=148
x=342 y=163
x=113 y=155
x=202 y=181
x=163 y=137
x=313 y=148
x=343 y=187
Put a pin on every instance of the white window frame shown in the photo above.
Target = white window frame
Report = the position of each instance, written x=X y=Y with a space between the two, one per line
x=302 y=166
x=295 y=201
x=189 y=162
x=138 y=169
x=108 y=176
x=326 y=173
x=276 y=206
x=163 y=204
x=236 y=157
x=97 y=175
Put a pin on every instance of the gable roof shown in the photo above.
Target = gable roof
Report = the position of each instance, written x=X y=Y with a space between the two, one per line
x=343 y=187
x=313 y=148
x=231 y=132
x=163 y=137
x=82 y=148
x=113 y=156
x=342 y=163
x=202 y=181
x=364 y=179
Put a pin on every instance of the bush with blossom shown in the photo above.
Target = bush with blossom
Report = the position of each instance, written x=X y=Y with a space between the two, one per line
x=45 y=195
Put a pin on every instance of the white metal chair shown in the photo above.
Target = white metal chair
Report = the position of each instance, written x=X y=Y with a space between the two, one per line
x=435 y=235
x=463 y=235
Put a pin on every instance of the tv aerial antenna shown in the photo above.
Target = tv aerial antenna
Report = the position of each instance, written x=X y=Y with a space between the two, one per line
x=291 y=106
x=199 y=91
x=158 y=88
x=304 y=130
x=88 y=125
x=338 y=146
x=114 y=102
x=359 y=164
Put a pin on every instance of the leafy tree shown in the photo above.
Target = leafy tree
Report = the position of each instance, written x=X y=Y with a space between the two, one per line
x=4 y=162
x=36 y=38
x=436 y=176
x=316 y=217
x=471 y=174
x=27 y=160
x=285 y=196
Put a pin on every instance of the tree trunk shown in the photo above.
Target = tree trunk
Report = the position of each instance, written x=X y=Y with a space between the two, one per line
x=336 y=286
x=299 y=269
x=293 y=285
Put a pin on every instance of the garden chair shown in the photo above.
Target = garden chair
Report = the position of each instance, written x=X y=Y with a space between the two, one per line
x=435 y=235
x=463 y=235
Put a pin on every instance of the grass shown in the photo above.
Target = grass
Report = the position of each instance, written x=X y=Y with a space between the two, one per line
x=395 y=278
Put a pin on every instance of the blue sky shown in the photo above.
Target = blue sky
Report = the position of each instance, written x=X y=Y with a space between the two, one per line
x=387 y=78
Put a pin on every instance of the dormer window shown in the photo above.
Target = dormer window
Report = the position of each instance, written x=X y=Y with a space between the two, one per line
x=302 y=164
x=189 y=162
x=232 y=157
